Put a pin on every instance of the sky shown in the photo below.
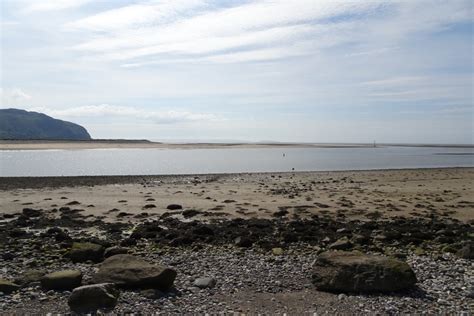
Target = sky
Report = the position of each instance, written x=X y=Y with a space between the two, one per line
x=290 y=71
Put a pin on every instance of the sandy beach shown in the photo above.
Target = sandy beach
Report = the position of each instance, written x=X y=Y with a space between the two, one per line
x=348 y=194
x=255 y=236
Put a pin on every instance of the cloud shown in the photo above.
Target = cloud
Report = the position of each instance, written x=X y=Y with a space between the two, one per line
x=13 y=97
x=114 y=111
x=137 y=15
x=185 y=30
x=152 y=30
x=50 y=5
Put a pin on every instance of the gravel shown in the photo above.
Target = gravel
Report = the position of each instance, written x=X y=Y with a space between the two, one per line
x=253 y=280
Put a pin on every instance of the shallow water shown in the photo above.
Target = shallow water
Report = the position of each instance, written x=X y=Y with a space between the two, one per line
x=200 y=161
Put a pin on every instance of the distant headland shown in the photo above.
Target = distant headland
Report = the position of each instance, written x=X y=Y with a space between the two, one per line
x=16 y=124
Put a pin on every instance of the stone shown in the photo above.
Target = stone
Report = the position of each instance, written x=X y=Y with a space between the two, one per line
x=243 y=242
x=174 y=207
x=190 y=213
x=466 y=252
x=90 y=298
x=341 y=244
x=85 y=251
x=112 y=251
x=30 y=212
x=277 y=251
x=205 y=282
x=30 y=276
x=152 y=294
x=131 y=272
x=8 y=287
x=62 y=280
x=342 y=271
x=280 y=213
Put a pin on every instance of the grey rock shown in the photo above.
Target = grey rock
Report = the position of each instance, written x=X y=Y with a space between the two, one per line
x=132 y=272
x=205 y=282
x=62 y=280
x=342 y=271
x=90 y=298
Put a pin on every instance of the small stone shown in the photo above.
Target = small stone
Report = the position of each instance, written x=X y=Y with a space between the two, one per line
x=205 y=282
x=277 y=251
x=174 y=207
x=341 y=297
x=243 y=242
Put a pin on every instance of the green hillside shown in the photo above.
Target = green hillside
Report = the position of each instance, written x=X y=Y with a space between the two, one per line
x=21 y=124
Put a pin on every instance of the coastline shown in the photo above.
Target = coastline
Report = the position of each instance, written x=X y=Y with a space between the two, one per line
x=122 y=144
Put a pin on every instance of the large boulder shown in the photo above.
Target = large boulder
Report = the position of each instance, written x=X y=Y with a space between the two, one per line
x=85 y=251
x=90 y=298
x=62 y=280
x=132 y=272
x=342 y=271
x=7 y=286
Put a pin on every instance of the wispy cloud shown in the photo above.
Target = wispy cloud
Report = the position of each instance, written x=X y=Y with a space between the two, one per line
x=114 y=111
x=13 y=97
x=159 y=30
x=51 y=5
x=184 y=29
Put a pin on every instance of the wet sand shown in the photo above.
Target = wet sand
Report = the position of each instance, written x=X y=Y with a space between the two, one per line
x=109 y=144
x=120 y=143
x=446 y=192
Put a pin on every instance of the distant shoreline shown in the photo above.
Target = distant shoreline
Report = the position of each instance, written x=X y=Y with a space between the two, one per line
x=125 y=143
x=35 y=182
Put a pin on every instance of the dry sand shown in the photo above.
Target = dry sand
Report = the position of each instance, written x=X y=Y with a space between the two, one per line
x=351 y=194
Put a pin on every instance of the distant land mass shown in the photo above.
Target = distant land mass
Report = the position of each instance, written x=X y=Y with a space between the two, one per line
x=18 y=124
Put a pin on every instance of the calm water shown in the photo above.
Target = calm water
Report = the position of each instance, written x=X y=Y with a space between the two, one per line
x=195 y=161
